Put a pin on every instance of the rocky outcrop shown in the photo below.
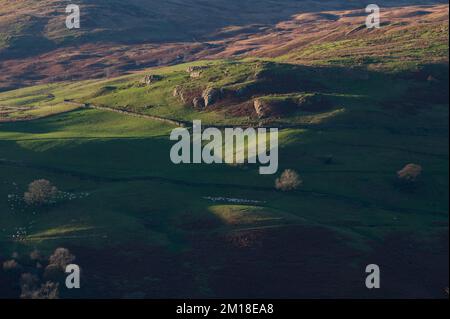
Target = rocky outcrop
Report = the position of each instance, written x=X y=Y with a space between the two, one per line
x=198 y=103
x=196 y=74
x=266 y=108
x=178 y=93
x=194 y=68
x=151 y=78
x=195 y=71
x=197 y=98
x=282 y=106
x=211 y=96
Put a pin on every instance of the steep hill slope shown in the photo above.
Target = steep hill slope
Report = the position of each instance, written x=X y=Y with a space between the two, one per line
x=408 y=35
x=145 y=20
x=353 y=107
x=115 y=37
x=125 y=203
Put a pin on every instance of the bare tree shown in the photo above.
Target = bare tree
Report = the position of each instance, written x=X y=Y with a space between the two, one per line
x=288 y=181
x=40 y=192
x=61 y=258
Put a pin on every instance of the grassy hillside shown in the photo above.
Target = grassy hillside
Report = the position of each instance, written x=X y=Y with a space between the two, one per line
x=407 y=36
x=141 y=200
x=353 y=108
x=400 y=48
x=191 y=220
x=294 y=94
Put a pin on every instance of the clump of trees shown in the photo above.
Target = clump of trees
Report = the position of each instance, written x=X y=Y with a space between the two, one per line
x=288 y=181
x=30 y=288
x=61 y=258
x=57 y=263
x=40 y=192
x=39 y=277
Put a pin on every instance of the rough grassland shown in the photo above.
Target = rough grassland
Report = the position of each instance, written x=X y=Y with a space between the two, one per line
x=122 y=190
x=179 y=231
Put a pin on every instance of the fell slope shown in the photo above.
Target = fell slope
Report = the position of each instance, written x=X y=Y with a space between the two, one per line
x=331 y=59
x=26 y=21
x=35 y=47
x=171 y=223
x=218 y=231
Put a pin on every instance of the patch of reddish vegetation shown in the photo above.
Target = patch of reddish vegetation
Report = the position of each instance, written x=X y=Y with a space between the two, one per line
x=412 y=269
x=242 y=109
x=92 y=61
x=281 y=262
x=290 y=261
x=314 y=262
x=107 y=60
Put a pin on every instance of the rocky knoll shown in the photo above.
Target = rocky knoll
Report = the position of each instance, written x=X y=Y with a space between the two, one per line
x=199 y=100
x=282 y=106
x=210 y=96
x=270 y=108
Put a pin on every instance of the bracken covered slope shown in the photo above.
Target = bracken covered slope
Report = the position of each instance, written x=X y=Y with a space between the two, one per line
x=114 y=38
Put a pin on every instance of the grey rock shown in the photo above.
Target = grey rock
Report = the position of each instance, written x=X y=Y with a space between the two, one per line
x=211 y=96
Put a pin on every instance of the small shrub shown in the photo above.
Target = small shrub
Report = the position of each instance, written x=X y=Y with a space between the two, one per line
x=10 y=265
x=288 y=181
x=40 y=192
x=57 y=263
x=410 y=173
x=49 y=290
x=61 y=258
